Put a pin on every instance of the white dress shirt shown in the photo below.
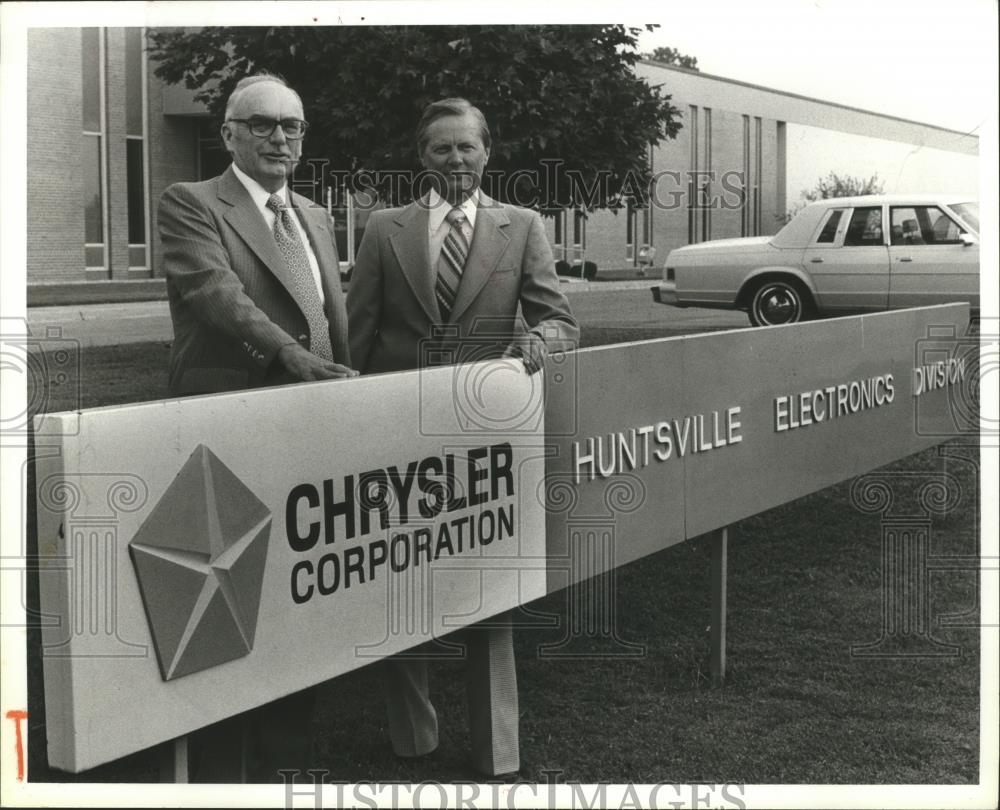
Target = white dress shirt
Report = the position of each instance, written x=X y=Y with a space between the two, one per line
x=260 y=196
x=438 y=226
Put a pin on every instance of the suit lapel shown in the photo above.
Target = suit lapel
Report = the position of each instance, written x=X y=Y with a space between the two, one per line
x=247 y=221
x=409 y=244
x=489 y=241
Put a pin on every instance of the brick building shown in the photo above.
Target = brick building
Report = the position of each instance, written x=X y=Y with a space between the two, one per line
x=101 y=153
x=742 y=157
x=107 y=137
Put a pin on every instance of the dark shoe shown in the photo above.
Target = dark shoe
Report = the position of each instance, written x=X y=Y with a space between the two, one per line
x=509 y=778
x=426 y=756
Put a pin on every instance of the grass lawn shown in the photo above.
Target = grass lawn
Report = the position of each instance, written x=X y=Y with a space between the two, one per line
x=797 y=707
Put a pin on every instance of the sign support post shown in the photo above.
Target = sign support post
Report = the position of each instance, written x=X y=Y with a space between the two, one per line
x=717 y=660
x=174 y=761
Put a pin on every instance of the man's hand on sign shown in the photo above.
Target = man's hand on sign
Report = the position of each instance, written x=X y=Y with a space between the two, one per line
x=531 y=349
x=305 y=365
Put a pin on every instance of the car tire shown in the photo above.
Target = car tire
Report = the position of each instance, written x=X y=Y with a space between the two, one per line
x=777 y=301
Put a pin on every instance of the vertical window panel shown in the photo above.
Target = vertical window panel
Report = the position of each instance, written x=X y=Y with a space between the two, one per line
x=133 y=82
x=745 y=201
x=93 y=209
x=92 y=159
x=213 y=159
x=692 y=174
x=706 y=183
x=136 y=193
x=90 y=53
x=758 y=169
x=630 y=251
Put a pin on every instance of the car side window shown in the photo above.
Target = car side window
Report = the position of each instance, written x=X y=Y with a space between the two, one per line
x=829 y=232
x=923 y=225
x=865 y=228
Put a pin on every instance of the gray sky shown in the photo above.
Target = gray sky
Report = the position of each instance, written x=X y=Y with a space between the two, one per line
x=932 y=62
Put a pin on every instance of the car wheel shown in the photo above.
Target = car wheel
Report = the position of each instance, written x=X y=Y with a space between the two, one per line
x=778 y=301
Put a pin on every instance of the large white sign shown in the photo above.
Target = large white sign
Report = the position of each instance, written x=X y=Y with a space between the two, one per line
x=208 y=555
x=689 y=434
x=212 y=554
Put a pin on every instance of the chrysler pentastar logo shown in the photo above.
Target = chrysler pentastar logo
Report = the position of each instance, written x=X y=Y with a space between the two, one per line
x=199 y=557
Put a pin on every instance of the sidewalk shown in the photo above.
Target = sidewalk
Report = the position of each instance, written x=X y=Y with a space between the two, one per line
x=145 y=321
x=102 y=324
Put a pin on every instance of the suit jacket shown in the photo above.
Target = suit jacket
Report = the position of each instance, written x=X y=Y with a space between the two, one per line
x=233 y=302
x=395 y=323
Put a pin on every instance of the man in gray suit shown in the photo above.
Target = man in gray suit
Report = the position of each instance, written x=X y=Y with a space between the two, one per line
x=255 y=299
x=457 y=275
x=252 y=270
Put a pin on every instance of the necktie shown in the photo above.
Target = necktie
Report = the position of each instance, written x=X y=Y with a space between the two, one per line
x=454 y=252
x=294 y=253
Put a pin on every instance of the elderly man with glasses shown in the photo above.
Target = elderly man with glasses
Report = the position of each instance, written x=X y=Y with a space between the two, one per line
x=255 y=299
x=251 y=267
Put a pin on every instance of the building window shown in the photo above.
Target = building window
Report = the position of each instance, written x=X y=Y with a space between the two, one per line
x=758 y=167
x=559 y=240
x=745 y=197
x=647 y=214
x=136 y=161
x=638 y=233
x=692 y=174
x=579 y=230
x=579 y=247
x=93 y=156
x=630 y=234
x=213 y=159
x=705 y=182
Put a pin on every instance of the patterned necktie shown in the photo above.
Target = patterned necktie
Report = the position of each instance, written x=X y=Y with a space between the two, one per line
x=454 y=252
x=294 y=253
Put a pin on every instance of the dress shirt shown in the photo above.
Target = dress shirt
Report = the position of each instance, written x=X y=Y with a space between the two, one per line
x=260 y=196
x=438 y=227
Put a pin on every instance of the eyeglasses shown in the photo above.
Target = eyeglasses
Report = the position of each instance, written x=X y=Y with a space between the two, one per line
x=294 y=128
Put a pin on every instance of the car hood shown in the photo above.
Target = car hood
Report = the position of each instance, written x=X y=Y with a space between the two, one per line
x=725 y=245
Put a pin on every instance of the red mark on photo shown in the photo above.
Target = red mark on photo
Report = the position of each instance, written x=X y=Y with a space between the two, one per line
x=17 y=715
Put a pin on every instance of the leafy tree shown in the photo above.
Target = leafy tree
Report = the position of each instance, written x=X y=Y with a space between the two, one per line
x=835 y=185
x=672 y=56
x=571 y=122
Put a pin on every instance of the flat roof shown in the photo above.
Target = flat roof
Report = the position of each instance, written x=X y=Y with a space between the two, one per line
x=800 y=97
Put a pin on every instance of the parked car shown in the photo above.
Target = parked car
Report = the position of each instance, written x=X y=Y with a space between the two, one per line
x=836 y=257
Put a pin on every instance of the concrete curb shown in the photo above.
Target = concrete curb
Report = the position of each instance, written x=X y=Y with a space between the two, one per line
x=71 y=293
x=85 y=293
x=593 y=286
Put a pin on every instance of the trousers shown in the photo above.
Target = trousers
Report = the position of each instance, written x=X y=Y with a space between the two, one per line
x=491 y=698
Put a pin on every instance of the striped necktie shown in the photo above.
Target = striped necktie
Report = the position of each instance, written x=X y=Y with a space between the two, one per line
x=454 y=253
x=294 y=253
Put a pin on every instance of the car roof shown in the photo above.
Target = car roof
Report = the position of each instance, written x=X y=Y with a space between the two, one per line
x=894 y=199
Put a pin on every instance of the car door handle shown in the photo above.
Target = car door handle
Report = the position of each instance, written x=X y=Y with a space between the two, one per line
x=816 y=260
x=905 y=259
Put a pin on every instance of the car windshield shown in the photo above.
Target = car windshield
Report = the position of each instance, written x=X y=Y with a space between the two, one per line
x=969 y=211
